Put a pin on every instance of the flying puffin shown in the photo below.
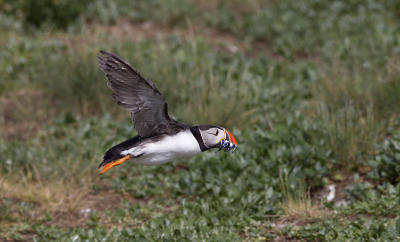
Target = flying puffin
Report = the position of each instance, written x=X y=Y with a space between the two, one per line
x=160 y=138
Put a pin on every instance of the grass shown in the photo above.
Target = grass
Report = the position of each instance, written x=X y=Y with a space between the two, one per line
x=43 y=201
x=307 y=91
x=298 y=205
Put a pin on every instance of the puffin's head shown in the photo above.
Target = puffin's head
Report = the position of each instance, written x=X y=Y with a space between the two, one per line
x=217 y=137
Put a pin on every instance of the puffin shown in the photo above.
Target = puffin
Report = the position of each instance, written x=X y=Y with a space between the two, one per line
x=160 y=139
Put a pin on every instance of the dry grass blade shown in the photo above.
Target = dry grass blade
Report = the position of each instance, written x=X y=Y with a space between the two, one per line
x=298 y=206
x=51 y=198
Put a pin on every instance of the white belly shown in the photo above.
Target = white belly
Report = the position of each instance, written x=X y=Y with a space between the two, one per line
x=168 y=149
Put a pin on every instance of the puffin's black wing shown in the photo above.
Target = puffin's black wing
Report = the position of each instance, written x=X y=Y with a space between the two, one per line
x=138 y=95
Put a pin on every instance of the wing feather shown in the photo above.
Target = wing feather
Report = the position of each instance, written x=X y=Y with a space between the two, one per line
x=149 y=112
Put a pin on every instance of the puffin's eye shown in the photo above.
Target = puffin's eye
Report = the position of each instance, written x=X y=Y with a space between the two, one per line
x=216 y=133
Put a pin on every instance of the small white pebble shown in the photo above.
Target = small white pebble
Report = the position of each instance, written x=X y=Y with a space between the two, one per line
x=85 y=211
x=331 y=194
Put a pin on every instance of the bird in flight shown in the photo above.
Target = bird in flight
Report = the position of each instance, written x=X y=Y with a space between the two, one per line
x=160 y=138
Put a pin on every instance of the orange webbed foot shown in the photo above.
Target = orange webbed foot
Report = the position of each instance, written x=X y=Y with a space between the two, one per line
x=114 y=163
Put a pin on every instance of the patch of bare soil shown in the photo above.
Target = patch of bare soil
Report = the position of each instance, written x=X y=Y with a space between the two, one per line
x=334 y=191
x=224 y=42
x=96 y=202
x=237 y=7
x=93 y=201
x=79 y=217
x=126 y=30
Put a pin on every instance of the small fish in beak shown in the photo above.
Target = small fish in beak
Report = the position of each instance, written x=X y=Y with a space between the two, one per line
x=229 y=143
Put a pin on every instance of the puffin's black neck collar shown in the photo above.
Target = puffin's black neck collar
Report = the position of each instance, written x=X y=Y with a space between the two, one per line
x=196 y=133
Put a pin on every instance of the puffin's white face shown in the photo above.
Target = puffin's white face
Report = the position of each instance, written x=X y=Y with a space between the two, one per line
x=217 y=137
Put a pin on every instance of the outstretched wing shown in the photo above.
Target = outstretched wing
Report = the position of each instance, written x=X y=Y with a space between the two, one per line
x=138 y=95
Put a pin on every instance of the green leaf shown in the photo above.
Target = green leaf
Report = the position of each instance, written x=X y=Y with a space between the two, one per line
x=398 y=225
x=390 y=189
x=356 y=225
x=396 y=145
x=177 y=232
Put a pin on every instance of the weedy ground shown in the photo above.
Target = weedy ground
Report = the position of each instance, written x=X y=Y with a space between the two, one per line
x=310 y=89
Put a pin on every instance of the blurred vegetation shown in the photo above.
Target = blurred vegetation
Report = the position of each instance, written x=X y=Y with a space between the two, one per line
x=310 y=89
x=60 y=13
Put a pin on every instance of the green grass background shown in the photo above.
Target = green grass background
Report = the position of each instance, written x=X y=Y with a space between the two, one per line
x=310 y=89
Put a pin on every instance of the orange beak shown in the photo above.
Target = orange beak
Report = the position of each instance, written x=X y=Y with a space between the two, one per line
x=228 y=143
x=230 y=137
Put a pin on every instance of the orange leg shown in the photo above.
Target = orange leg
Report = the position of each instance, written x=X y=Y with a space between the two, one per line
x=114 y=163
